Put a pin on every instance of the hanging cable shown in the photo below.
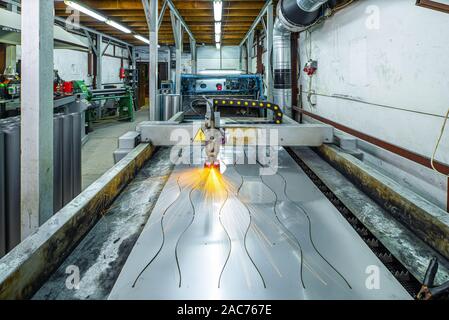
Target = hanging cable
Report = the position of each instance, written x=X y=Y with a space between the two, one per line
x=443 y=128
x=343 y=6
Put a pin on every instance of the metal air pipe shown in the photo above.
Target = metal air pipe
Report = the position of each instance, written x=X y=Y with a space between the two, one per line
x=292 y=16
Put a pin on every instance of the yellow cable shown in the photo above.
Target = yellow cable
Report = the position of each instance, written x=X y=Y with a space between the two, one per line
x=343 y=6
x=443 y=128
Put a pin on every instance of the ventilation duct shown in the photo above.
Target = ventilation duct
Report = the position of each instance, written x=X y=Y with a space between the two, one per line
x=292 y=16
x=282 y=66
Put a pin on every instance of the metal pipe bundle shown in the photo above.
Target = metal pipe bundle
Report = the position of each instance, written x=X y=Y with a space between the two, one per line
x=2 y=195
x=12 y=169
x=67 y=172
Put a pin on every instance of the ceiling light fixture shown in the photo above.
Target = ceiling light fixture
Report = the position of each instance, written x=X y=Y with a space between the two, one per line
x=218 y=15
x=217 y=27
x=218 y=10
x=219 y=72
x=118 y=26
x=85 y=10
x=139 y=37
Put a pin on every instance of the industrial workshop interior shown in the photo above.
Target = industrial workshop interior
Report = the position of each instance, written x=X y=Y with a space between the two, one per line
x=224 y=150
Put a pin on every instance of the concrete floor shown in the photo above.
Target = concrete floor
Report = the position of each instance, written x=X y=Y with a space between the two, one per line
x=97 y=156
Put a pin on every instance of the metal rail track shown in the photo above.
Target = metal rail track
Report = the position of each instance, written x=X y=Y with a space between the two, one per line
x=404 y=277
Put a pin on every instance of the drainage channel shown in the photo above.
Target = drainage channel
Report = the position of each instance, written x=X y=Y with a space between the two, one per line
x=404 y=277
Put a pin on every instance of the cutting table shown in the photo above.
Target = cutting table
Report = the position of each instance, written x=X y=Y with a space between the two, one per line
x=243 y=235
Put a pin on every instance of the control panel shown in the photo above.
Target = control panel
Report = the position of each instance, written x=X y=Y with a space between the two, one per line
x=247 y=85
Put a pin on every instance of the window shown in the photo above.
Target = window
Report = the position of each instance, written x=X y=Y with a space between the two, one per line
x=440 y=5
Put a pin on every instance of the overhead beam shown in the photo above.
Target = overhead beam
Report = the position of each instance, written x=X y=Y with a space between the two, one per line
x=161 y=15
x=181 y=19
x=196 y=17
x=93 y=31
x=257 y=21
x=181 y=5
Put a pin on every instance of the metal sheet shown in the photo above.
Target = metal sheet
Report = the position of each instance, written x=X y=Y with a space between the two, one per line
x=67 y=158
x=76 y=155
x=2 y=195
x=262 y=237
x=57 y=170
x=12 y=169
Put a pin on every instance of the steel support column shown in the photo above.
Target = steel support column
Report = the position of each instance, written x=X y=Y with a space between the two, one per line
x=240 y=57
x=99 y=62
x=249 y=49
x=193 y=55
x=161 y=14
x=269 y=55
x=151 y=14
x=133 y=63
x=178 y=35
x=259 y=53
x=37 y=114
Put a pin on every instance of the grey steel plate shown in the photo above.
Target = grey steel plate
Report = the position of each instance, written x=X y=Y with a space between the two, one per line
x=261 y=237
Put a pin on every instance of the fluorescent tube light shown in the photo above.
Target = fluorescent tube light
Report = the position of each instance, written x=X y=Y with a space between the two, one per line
x=217 y=37
x=139 y=37
x=218 y=45
x=85 y=10
x=220 y=72
x=217 y=27
x=118 y=26
x=218 y=10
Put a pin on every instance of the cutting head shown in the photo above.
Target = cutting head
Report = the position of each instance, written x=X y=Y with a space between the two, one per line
x=214 y=137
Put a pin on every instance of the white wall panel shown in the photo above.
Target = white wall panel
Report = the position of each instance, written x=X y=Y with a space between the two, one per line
x=393 y=57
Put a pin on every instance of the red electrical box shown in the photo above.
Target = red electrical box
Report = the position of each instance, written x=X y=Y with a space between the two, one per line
x=311 y=67
x=122 y=73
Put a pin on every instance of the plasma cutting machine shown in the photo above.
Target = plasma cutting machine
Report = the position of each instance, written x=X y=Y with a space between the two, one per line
x=217 y=111
x=215 y=138
x=213 y=130
x=156 y=228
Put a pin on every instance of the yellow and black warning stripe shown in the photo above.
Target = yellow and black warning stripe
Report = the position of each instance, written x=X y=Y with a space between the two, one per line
x=278 y=115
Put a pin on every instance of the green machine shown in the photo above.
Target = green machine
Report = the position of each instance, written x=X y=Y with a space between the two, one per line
x=123 y=97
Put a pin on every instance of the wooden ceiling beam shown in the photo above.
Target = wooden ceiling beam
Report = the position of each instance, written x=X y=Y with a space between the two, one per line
x=184 y=13
x=238 y=16
x=180 y=5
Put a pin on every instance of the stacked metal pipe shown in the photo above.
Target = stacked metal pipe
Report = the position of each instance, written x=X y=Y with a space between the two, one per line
x=67 y=172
